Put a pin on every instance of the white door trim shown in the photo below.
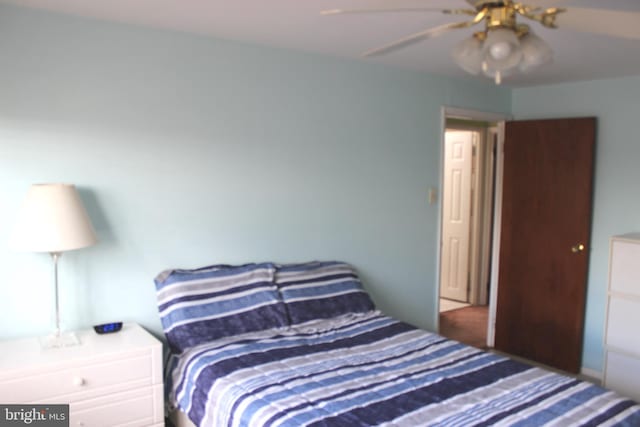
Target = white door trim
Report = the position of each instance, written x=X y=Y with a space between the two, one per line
x=500 y=118
x=497 y=227
x=487 y=169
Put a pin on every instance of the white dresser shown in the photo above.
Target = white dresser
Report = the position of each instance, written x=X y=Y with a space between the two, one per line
x=108 y=380
x=622 y=332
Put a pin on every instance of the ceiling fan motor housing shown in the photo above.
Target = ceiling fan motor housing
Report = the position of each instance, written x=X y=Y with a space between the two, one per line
x=501 y=17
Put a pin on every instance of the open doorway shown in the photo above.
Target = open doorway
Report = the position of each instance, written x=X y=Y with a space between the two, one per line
x=469 y=165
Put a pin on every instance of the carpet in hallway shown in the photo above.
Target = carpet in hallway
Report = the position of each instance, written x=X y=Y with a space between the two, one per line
x=467 y=325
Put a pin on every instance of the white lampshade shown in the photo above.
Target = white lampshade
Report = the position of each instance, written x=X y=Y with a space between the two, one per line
x=52 y=219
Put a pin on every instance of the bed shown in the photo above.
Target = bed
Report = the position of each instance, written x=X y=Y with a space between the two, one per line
x=303 y=345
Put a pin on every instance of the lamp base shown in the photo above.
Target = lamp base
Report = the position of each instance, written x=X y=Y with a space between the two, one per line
x=64 y=339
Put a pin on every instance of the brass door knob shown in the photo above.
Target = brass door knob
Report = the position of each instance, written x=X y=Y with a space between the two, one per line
x=577 y=248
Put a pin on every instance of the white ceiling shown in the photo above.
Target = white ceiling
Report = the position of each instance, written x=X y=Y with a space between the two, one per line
x=296 y=24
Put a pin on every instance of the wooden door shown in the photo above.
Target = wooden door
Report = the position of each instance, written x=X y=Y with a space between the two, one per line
x=546 y=216
x=456 y=212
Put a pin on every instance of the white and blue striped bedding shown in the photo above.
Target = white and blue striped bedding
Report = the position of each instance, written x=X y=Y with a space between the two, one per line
x=204 y=304
x=320 y=290
x=212 y=302
x=369 y=369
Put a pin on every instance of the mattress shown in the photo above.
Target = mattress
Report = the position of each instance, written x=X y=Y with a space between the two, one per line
x=370 y=369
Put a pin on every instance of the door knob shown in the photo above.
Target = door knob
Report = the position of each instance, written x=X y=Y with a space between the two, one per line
x=577 y=248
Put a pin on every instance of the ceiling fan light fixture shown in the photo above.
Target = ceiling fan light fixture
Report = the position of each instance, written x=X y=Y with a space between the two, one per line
x=468 y=55
x=501 y=50
x=505 y=46
x=535 y=52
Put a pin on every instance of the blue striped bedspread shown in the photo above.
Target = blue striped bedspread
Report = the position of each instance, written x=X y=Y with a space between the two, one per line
x=370 y=369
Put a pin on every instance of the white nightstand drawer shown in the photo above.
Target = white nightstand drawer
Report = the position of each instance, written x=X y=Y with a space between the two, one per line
x=79 y=382
x=136 y=408
x=108 y=380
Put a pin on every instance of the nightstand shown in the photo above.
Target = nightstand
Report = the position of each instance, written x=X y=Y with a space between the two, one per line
x=108 y=380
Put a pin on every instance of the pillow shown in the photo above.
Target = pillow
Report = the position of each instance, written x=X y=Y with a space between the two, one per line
x=320 y=290
x=217 y=301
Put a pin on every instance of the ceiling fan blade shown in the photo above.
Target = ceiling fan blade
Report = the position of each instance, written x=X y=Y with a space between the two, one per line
x=414 y=38
x=601 y=21
x=397 y=9
x=543 y=4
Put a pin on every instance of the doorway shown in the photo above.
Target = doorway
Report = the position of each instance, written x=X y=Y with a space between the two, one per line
x=470 y=163
x=549 y=243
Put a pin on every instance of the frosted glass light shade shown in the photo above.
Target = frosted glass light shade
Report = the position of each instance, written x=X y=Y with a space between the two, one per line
x=52 y=219
x=501 y=54
x=468 y=55
x=535 y=52
x=501 y=51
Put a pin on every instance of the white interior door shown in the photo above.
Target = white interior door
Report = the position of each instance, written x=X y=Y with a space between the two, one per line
x=456 y=215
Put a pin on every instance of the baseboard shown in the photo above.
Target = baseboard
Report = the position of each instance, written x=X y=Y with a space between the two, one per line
x=586 y=374
x=180 y=419
x=591 y=375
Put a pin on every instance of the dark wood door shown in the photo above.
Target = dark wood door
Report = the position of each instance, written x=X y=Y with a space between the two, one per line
x=546 y=215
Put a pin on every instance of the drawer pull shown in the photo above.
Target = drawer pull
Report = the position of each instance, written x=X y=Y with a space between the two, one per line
x=79 y=381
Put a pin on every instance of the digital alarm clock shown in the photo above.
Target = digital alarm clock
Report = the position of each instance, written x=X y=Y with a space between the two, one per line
x=107 y=328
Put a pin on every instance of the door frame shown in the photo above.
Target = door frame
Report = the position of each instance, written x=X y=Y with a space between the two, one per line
x=499 y=118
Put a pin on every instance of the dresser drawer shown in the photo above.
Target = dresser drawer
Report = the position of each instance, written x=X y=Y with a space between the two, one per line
x=135 y=408
x=623 y=374
x=623 y=318
x=625 y=267
x=78 y=382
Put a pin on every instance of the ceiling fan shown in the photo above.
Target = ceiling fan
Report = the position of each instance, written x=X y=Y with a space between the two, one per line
x=504 y=46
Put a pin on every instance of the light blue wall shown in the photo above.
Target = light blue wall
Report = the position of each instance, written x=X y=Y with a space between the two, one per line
x=191 y=151
x=616 y=198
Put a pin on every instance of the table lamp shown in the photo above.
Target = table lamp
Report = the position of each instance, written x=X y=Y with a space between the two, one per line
x=52 y=219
